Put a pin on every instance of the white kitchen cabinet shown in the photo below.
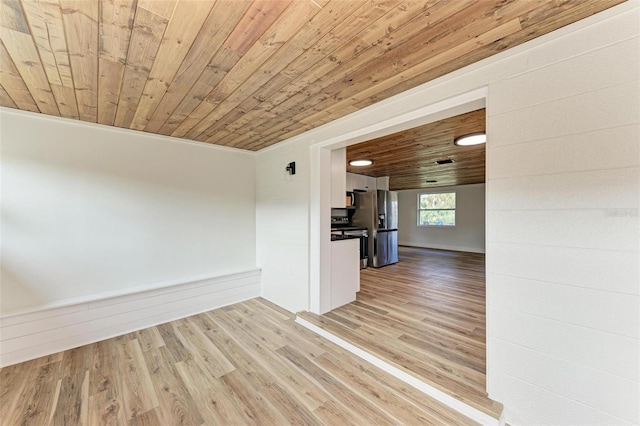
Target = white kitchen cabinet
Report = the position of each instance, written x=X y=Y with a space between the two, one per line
x=350 y=179
x=370 y=183
x=383 y=183
x=345 y=271
x=338 y=177
x=360 y=182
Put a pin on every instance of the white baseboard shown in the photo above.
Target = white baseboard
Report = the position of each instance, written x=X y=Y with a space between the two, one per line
x=30 y=335
x=441 y=247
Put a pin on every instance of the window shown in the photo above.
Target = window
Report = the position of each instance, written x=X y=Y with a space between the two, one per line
x=437 y=209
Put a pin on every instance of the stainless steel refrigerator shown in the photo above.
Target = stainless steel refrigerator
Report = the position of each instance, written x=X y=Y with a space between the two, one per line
x=378 y=211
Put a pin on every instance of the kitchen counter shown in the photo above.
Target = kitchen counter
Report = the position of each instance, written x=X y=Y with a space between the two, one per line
x=345 y=271
x=339 y=232
x=343 y=237
x=348 y=228
x=345 y=232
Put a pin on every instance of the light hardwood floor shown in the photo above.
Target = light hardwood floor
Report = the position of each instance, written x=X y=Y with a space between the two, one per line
x=247 y=363
x=426 y=316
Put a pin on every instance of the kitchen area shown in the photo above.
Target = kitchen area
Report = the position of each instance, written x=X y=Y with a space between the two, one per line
x=364 y=227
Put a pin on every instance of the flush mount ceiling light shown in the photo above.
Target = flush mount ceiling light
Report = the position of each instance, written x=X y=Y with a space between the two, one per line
x=471 y=139
x=360 y=163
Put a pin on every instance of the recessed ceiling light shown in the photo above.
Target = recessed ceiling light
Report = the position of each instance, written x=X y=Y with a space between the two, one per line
x=471 y=139
x=360 y=163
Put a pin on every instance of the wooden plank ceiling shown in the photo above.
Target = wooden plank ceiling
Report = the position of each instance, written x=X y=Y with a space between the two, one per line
x=410 y=158
x=247 y=73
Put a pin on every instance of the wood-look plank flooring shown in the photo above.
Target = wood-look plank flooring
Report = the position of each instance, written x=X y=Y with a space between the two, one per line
x=247 y=363
x=426 y=316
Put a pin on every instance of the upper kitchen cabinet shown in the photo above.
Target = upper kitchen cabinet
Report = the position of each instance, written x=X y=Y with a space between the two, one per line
x=360 y=182
x=382 y=183
x=338 y=177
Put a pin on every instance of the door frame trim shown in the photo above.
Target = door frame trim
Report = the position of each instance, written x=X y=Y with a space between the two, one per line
x=320 y=178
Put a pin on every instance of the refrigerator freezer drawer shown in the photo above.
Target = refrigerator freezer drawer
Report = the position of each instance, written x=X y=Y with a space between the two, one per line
x=380 y=246
x=385 y=248
x=392 y=251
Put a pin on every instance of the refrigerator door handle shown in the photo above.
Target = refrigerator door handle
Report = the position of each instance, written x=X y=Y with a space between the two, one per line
x=375 y=245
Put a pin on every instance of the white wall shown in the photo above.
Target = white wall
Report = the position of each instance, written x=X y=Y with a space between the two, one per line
x=562 y=225
x=89 y=210
x=563 y=185
x=282 y=209
x=467 y=235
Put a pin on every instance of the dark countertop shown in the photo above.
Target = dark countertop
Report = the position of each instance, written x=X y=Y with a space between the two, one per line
x=343 y=237
x=348 y=228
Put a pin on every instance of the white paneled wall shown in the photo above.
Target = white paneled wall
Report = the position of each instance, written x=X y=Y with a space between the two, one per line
x=563 y=183
x=105 y=231
x=29 y=335
x=562 y=217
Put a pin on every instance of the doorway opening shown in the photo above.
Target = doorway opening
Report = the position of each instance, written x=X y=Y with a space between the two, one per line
x=320 y=248
x=320 y=178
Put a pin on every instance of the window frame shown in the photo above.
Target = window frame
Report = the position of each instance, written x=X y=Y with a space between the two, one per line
x=455 y=222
